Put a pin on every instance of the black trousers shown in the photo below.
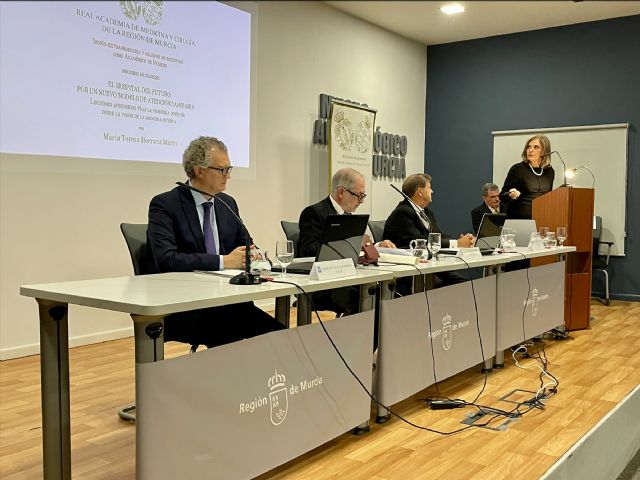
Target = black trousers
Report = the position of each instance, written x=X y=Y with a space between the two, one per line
x=219 y=325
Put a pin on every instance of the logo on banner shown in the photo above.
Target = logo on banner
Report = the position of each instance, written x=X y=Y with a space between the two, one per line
x=447 y=332
x=534 y=301
x=278 y=398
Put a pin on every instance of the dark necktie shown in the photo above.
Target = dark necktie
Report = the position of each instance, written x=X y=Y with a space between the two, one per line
x=207 y=229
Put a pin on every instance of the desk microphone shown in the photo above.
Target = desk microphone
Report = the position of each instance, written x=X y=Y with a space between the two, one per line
x=246 y=277
x=564 y=165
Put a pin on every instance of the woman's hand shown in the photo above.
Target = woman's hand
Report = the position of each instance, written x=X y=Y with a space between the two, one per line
x=514 y=194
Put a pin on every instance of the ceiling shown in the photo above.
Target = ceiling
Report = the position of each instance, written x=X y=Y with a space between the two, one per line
x=423 y=22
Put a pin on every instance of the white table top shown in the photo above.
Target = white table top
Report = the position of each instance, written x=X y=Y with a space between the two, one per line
x=166 y=293
x=451 y=263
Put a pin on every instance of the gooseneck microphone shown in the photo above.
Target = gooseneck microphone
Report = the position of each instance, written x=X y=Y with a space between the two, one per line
x=419 y=211
x=564 y=167
x=246 y=277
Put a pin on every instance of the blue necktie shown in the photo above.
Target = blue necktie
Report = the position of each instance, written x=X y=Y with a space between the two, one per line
x=207 y=229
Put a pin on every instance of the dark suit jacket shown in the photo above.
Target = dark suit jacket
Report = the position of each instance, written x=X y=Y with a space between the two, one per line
x=174 y=234
x=404 y=225
x=477 y=213
x=311 y=224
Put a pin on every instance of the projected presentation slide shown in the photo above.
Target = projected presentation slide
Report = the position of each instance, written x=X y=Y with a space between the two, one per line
x=129 y=80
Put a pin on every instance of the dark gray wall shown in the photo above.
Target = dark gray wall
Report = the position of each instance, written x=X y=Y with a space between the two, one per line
x=583 y=74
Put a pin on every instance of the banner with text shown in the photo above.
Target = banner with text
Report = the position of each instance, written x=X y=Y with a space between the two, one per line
x=529 y=306
x=351 y=142
x=410 y=330
x=238 y=410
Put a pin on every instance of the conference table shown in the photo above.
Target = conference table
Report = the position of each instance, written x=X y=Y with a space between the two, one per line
x=148 y=298
x=409 y=359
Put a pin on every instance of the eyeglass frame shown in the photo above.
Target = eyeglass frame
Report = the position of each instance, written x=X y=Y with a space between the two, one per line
x=225 y=171
x=360 y=197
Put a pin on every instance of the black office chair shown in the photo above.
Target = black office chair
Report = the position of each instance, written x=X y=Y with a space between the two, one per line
x=377 y=229
x=599 y=263
x=135 y=235
x=292 y=232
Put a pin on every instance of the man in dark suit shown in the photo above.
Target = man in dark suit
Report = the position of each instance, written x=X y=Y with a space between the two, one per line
x=406 y=223
x=490 y=204
x=189 y=231
x=347 y=193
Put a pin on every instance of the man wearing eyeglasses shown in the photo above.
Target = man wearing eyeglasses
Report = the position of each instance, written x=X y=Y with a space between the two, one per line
x=490 y=204
x=190 y=231
x=347 y=193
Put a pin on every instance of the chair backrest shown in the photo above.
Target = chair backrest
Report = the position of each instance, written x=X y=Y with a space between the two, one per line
x=377 y=229
x=597 y=235
x=135 y=234
x=292 y=232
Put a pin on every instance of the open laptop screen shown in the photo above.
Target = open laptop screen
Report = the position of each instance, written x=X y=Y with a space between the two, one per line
x=341 y=238
x=488 y=236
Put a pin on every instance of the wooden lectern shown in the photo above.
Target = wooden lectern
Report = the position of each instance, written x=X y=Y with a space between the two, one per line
x=572 y=207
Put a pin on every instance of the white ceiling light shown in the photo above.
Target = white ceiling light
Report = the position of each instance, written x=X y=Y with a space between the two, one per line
x=452 y=8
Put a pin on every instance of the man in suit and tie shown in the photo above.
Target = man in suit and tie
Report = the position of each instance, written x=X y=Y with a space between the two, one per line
x=347 y=193
x=490 y=204
x=406 y=223
x=189 y=231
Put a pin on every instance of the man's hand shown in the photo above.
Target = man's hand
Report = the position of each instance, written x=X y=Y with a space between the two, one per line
x=366 y=240
x=387 y=244
x=466 y=241
x=235 y=259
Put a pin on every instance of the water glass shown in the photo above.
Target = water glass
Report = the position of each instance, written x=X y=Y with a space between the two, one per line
x=504 y=237
x=284 y=254
x=543 y=232
x=561 y=234
x=260 y=262
x=435 y=242
x=550 y=240
x=509 y=244
x=418 y=247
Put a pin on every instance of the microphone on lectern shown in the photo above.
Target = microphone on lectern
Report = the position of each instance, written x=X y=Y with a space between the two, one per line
x=246 y=277
x=564 y=165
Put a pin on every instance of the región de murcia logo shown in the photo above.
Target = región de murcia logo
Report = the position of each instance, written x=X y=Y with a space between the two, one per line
x=534 y=301
x=278 y=398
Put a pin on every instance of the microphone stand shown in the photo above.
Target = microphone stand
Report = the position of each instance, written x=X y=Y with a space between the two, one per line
x=246 y=277
x=564 y=170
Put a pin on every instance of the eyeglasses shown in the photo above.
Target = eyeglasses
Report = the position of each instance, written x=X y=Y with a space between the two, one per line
x=223 y=170
x=360 y=196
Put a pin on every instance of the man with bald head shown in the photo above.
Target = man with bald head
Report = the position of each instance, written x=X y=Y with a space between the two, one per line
x=347 y=193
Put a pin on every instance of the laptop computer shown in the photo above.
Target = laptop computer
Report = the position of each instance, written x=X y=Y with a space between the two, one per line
x=341 y=238
x=488 y=236
x=522 y=228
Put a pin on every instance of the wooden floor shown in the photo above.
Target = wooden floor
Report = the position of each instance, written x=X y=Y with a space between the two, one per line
x=596 y=368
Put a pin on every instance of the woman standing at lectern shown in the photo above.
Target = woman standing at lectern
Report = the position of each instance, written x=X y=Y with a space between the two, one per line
x=528 y=179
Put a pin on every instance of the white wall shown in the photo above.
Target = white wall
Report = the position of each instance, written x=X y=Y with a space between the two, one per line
x=59 y=217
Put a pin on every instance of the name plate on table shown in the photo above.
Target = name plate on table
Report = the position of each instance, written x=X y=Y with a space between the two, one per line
x=471 y=253
x=536 y=246
x=332 y=269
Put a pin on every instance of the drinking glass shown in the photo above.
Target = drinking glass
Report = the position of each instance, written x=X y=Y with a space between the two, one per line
x=504 y=237
x=543 y=232
x=561 y=235
x=434 y=245
x=284 y=254
x=418 y=247
x=260 y=262
x=510 y=242
x=550 y=240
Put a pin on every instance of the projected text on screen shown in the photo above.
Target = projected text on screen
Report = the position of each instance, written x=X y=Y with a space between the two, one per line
x=124 y=80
